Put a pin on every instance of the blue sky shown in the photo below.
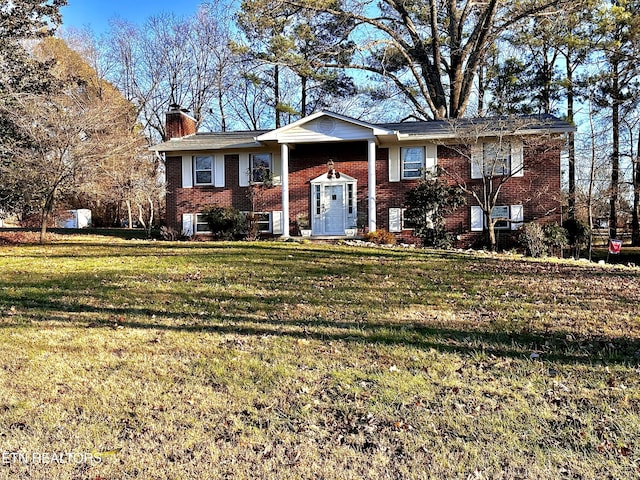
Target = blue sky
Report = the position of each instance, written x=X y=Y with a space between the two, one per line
x=95 y=14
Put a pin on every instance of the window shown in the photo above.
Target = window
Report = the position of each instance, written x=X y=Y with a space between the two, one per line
x=203 y=167
x=202 y=226
x=509 y=217
x=407 y=224
x=411 y=225
x=263 y=220
x=350 y=198
x=412 y=161
x=318 y=200
x=398 y=222
x=497 y=158
x=260 y=167
x=502 y=214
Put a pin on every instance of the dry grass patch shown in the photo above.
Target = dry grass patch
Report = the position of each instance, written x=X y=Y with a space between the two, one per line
x=196 y=361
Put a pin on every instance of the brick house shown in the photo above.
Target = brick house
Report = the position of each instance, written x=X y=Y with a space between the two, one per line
x=336 y=176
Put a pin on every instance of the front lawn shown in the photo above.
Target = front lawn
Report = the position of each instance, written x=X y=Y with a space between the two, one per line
x=150 y=360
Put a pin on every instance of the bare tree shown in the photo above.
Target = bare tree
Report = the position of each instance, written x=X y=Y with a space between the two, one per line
x=59 y=130
x=172 y=60
x=249 y=100
x=70 y=137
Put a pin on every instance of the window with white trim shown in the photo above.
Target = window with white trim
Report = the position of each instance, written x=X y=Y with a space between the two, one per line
x=497 y=158
x=203 y=167
x=508 y=217
x=398 y=221
x=202 y=226
x=501 y=216
x=318 y=200
x=261 y=167
x=263 y=220
x=407 y=224
x=412 y=159
x=350 y=199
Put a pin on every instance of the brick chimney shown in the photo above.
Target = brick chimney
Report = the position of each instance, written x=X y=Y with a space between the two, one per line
x=179 y=123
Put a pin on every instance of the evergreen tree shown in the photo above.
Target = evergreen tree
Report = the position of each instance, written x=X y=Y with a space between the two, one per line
x=430 y=52
x=427 y=205
x=302 y=41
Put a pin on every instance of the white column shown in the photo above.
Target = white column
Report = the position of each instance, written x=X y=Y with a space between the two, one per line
x=285 y=189
x=371 y=160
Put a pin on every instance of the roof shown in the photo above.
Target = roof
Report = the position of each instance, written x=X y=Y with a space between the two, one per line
x=212 y=141
x=481 y=127
x=275 y=134
x=471 y=128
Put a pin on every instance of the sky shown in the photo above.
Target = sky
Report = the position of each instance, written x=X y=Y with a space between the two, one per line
x=96 y=14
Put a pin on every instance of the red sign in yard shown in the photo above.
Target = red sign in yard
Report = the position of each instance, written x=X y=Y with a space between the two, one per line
x=615 y=246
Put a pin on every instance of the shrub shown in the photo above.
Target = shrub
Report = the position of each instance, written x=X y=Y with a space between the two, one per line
x=427 y=205
x=381 y=237
x=438 y=237
x=169 y=234
x=532 y=238
x=555 y=237
x=578 y=234
x=538 y=241
x=226 y=223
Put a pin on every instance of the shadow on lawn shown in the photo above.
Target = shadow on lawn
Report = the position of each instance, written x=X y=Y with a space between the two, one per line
x=55 y=299
x=221 y=248
x=554 y=347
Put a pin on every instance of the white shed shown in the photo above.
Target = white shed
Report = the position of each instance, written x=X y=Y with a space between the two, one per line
x=80 y=218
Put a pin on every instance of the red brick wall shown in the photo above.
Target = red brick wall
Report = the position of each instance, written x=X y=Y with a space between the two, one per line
x=310 y=161
x=306 y=163
x=193 y=200
x=538 y=190
x=178 y=124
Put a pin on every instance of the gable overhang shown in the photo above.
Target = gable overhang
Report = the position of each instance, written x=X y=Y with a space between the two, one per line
x=325 y=127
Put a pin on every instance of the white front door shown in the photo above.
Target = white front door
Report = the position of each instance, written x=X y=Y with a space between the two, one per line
x=333 y=204
x=334 y=209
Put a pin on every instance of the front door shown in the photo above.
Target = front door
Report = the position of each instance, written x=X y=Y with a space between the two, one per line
x=333 y=209
x=333 y=204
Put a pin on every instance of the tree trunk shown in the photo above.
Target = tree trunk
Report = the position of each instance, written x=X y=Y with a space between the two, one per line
x=635 y=214
x=481 y=90
x=43 y=227
x=592 y=176
x=493 y=244
x=141 y=217
x=276 y=93
x=615 y=153
x=220 y=98
x=46 y=212
x=571 y=140
x=130 y=214
x=151 y=216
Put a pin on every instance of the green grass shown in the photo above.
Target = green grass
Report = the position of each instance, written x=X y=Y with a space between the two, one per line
x=279 y=360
